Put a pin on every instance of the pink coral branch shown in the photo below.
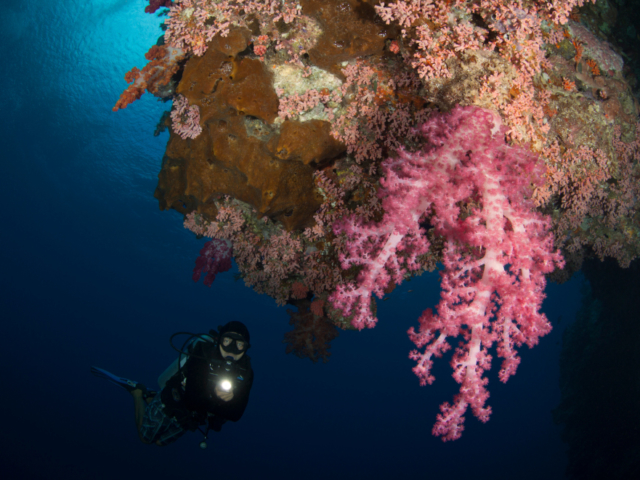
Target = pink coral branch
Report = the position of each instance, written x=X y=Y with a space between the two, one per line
x=497 y=252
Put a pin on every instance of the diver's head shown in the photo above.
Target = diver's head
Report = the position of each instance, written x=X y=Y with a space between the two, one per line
x=234 y=340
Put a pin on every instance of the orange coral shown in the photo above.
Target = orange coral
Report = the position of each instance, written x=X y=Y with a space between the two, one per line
x=595 y=71
x=568 y=84
x=579 y=49
x=163 y=64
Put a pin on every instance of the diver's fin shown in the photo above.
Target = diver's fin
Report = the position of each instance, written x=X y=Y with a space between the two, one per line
x=128 y=385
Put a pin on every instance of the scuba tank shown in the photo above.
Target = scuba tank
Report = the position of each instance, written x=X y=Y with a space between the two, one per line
x=187 y=348
x=170 y=371
x=179 y=362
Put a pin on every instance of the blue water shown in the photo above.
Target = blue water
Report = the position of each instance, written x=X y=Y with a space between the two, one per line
x=94 y=274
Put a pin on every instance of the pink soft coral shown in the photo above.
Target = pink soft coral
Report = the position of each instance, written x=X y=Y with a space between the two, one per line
x=185 y=119
x=215 y=257
x=497 y=251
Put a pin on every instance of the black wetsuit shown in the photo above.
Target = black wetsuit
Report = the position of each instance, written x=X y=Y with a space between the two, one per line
x=194 y=402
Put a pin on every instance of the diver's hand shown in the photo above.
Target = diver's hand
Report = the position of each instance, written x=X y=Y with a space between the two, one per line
x=222 y=395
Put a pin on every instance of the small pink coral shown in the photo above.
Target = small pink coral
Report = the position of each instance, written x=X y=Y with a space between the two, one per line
x=185 y=118
x=215 y=257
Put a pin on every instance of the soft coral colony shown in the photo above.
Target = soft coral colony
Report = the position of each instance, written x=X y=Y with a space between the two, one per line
x=335 y=148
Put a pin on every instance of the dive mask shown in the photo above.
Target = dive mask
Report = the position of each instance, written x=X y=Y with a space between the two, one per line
x=233 y=343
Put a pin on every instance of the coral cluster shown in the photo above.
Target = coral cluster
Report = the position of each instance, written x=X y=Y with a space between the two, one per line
x=303 y=135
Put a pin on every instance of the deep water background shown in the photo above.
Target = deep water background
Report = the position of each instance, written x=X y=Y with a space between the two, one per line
x=94 y=274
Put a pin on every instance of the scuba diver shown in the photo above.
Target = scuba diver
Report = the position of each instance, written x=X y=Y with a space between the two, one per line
x=208 y=384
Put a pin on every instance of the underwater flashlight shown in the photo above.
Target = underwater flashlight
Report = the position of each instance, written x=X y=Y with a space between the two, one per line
x=225 y=385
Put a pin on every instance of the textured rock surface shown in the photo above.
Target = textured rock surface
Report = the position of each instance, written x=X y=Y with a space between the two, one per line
x=240 y=153
x=245 y=150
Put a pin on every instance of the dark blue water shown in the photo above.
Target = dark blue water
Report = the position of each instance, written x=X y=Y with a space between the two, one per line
x=94 y=274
